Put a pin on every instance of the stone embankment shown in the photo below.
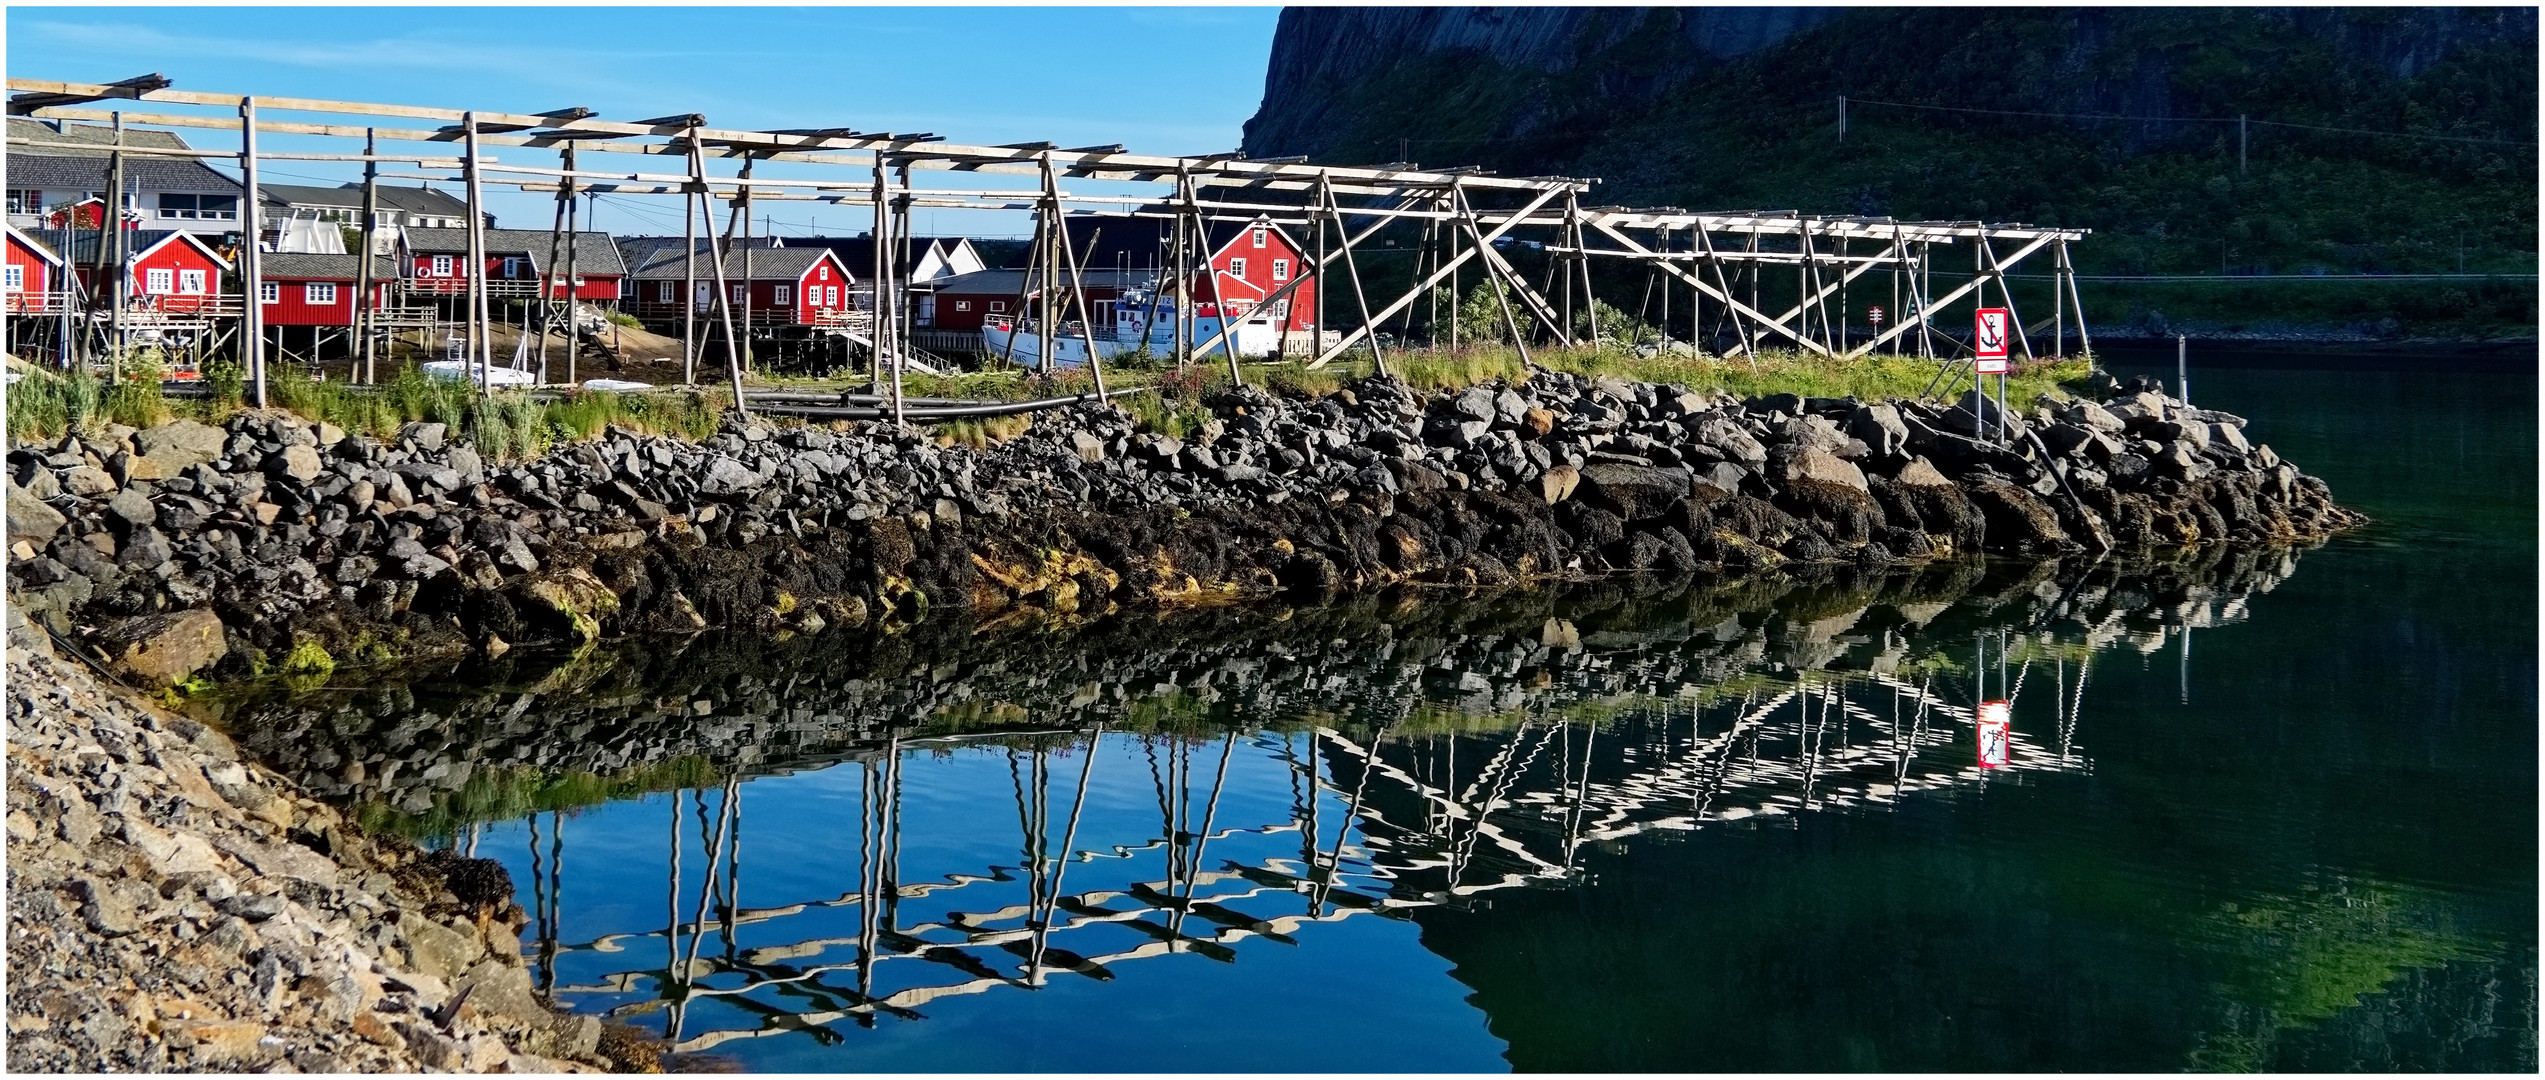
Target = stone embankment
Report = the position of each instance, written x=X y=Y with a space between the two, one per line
x=172 y=907
x=188 y=549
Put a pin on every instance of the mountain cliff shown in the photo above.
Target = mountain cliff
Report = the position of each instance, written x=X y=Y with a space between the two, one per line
x=1729 y=108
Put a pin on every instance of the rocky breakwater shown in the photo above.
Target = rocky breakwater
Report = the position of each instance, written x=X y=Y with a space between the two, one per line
x=174 y=908
x=188 y=548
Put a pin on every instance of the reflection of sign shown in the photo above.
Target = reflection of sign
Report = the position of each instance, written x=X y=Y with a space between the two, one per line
x=1993 y=738
x=1990 y=342
x=1874 y=316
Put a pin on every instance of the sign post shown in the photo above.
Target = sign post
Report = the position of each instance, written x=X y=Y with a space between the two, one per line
x=1988 y=343
x=1874 y=315
x=1994 y=740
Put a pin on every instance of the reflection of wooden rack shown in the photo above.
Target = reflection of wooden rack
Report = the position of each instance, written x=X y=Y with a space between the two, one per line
x=1427 y=836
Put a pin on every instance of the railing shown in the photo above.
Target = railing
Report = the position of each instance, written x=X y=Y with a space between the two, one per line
x=37 y=303
x=454 y=286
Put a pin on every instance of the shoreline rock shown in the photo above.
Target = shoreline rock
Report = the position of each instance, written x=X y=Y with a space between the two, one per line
x=173 y=907
x=296 y=535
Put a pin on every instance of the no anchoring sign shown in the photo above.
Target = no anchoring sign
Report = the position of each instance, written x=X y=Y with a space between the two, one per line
x=1993 y=739
x=1990 y=341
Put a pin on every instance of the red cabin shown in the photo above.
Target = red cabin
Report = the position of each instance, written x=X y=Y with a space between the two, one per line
x=33 y=281
x=802 y=286
x=961 y=302
x=1251 y=263
x=319 y=290
x=169 y=271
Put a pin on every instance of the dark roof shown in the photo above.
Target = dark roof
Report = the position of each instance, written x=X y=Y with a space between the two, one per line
x=50 y=169
x=767 y=264
x=1110 y=240
x=1012 y=282
x=80 y=245
x=594 y=252
x=300 y=264
x=414 y=200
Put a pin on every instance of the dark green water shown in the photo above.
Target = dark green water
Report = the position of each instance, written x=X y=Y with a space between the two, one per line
x=2268 y=811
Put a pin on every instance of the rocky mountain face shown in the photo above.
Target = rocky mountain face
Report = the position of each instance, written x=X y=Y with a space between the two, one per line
x=1729 y=108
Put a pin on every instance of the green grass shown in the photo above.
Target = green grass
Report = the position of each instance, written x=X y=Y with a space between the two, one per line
x=1869 y=377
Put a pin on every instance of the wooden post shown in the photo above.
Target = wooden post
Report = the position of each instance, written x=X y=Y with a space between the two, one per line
x=547 y=274
x=744 y=207
x=694 y=194
x=366 y=306
x=481 y=343
x=1325 y=190
x=2059 y=302
x=1184 y=300
x=251 y=261
x=2084 y=340
x=111 y=221
x=574 y=246
x=875 y=285
x=1227 y=326
x=724 y=298
x=1494 y=273
x=1077 y=284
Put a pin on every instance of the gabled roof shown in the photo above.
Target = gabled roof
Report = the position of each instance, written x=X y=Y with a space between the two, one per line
x=413 y=200
x=41 y=249
x=767 y=264
x=594 y=252
x=296 y=264
x=858 y=252
x=80 y=245
x=49 y=168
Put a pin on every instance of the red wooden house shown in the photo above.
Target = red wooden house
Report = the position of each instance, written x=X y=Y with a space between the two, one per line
x=33 y=282
x=959 y=303
x=798 y=286
x=169 y=271
x=319 y=290
x=1249 y=261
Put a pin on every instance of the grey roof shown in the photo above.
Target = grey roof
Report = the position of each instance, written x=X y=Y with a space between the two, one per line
x=1012 y=282
x=662 y=262
x=594 y=252
x=50 y=169
x=301 y=264
x=80 y=245
x=413 y=200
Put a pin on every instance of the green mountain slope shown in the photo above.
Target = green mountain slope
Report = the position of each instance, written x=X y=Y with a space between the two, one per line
x=1738 y=108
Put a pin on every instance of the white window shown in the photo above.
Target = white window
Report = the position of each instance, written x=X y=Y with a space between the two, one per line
x=1237 y=268
x=441 y=266
x=26 y=201
x=160 y=282
x=739 y=296
x=269 y=292
x=963 y=305
x=512 y=267
x=997 y=306
x=1261 y=235
x=199 y=207
x=786 y=295
x=190 y=282
x=821 y=273
x=830 y=296
x=318 y=293
x=14 y=278
x=668 y=293
x=1281 y=269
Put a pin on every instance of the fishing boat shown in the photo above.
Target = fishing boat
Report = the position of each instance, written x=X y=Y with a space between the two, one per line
x=1141 y=319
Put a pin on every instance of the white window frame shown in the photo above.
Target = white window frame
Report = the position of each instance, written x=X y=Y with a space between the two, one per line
x=667 y=292
x=998 y=307
x=512 y=266
x=159 y=281
x=269 y=292
x=14 y=278
x=441 y=266
x=1281 y=270
x=318 y=294
x=1237 y=268
x=786 y=295
x=1262 y=235
x=192 y=282
x=830 y=296
x=741 y=293
x=963 y=305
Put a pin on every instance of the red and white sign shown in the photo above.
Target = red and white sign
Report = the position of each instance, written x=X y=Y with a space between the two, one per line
x=1990 y=339
x=1994 y=740
x=1874 y=316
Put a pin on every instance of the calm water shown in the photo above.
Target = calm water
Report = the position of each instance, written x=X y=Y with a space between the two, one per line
x=2273 y=811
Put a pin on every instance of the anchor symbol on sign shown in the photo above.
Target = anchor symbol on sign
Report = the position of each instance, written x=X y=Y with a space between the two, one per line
x=1992 y=335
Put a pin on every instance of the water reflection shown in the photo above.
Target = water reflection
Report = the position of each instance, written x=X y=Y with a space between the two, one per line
x=935 y=815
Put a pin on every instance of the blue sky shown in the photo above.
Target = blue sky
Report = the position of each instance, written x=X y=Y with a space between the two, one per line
x=1158 y=80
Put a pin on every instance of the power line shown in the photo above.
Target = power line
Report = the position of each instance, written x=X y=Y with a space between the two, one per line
x=1853 y=101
